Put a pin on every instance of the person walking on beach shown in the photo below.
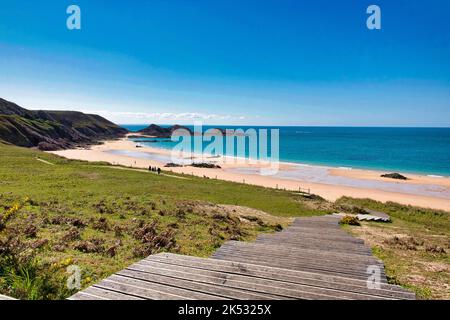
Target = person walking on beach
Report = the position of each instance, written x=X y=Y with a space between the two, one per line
x=159 y=170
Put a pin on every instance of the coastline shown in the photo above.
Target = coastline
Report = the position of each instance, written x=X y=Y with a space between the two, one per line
x=327 y=182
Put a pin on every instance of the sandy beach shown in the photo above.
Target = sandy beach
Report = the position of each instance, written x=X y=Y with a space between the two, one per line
x=329 y=183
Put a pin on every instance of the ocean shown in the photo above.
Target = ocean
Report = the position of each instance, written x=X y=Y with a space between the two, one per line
x=409 y=150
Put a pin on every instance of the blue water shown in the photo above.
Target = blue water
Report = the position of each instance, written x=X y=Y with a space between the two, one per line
x=414 y=150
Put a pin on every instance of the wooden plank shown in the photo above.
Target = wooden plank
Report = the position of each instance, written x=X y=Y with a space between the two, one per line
x=294 y=264
x=304 y=245
x=312 y=259
x=290 y=257
x=259 y=289
x=303 y=251
x=297 y=254
x=183 y=283
x=259 y=271
x=271 y=286
x=328 y=269
x=262 y=271
x=151 y=291
x=313 y=235
x=94 y=293
x=316 y=241
x=3 y=297
x=293 y=259
x=85 y=296
x=237 y=267
x=301 y=267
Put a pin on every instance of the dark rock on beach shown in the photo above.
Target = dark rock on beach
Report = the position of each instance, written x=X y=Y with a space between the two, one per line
x=172 y=165
x=205 y=165
x=396 y=176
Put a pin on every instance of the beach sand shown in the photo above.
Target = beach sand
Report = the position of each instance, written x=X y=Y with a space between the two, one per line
x=435 y=192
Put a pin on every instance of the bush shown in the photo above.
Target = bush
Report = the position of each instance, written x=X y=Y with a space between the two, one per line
x=23 y=277
x=350 y=220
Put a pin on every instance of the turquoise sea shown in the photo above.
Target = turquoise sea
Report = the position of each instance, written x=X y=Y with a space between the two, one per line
x=413 y=150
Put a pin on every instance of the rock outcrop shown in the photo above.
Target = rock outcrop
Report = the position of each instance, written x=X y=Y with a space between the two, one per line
x=53 y=130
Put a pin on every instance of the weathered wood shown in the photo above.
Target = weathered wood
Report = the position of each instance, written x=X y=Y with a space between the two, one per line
x=143 y=274
x=312 y=259
x=261 y=271
x=289 y=259
x=94 y=293
x=312 y=235
x=316 y=246
x=292 y=257
x=302 y=267
x=311 y=290
x=315 y=255
x=303 y=251
x=152 y=291
x=2 y=297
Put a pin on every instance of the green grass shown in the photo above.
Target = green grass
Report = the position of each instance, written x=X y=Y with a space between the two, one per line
x=415 y=247
x=103 y=219
x=71 y=181
x=81 y=212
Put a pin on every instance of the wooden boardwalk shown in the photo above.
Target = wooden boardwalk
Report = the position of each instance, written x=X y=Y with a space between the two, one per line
x=312 y=259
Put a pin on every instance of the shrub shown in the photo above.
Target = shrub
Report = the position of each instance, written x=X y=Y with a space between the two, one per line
x=435 y=249
x=350 y=220
x=23 y=277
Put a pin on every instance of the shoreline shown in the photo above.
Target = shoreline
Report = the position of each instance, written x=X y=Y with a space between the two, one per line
x=327 y=182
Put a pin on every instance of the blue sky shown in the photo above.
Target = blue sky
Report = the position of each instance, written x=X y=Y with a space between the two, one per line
x=231 y=61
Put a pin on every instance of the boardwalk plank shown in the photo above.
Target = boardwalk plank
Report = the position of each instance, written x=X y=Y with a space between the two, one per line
x=280 y=251
x=264 y=271
x=152 y=291
x=311 y=290
x=312 y=259
x=304 y=251
x=183 y=282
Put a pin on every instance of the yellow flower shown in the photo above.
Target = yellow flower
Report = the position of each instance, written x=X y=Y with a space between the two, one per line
x=66 y=262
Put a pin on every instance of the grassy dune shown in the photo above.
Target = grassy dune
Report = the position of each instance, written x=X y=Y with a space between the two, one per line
x=414 y=247
x=55 y=213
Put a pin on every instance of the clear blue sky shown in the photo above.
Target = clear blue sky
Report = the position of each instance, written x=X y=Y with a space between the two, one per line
x=231 y=61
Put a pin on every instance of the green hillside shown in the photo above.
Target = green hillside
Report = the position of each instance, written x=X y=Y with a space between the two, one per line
x=51 y=130
x=56 y=212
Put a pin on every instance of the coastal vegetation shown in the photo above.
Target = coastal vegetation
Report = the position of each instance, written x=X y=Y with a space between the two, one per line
x=53 y=130
x=414 y=247
x=55 y=213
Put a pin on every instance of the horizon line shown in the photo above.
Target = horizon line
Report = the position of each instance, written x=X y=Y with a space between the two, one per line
x=289 y=126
